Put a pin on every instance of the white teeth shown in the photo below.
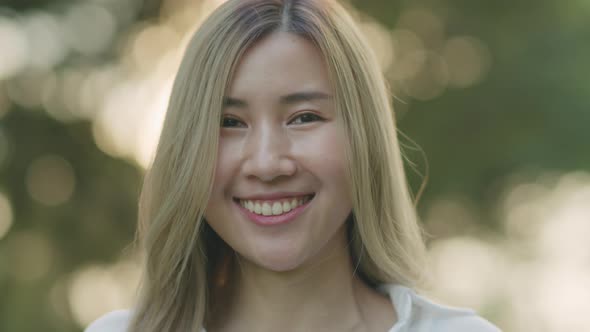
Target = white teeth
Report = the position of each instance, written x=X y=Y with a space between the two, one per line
x=286 y=207
x=277 y=208
x=266 y=210
x=257 y=208
x=273 y=208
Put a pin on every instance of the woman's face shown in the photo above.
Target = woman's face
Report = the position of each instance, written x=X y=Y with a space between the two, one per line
x=281 y=142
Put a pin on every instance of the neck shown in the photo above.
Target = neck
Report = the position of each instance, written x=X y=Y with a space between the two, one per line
x=322 y=296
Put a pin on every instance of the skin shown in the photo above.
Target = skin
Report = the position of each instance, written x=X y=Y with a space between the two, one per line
x=297 y=276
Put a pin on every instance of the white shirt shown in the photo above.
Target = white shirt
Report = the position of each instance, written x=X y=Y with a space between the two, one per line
x=415 y=313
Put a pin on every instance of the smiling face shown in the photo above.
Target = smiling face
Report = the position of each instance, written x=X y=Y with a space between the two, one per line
x=281 y=142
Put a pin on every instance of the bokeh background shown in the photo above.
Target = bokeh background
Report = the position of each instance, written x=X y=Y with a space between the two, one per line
x=495 y=94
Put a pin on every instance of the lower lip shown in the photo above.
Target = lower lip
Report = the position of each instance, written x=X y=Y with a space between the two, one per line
x=274 y=220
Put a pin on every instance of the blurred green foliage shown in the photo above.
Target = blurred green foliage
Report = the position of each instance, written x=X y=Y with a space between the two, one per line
x=93 y=226
x=531 y=113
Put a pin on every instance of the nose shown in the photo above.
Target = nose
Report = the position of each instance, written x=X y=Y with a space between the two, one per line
x=267 y=154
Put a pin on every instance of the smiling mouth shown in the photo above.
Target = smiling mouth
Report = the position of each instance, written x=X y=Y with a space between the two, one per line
x=274 y=207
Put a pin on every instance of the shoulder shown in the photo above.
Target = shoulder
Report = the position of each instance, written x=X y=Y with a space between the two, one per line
x=419 y=313
x=115 y=321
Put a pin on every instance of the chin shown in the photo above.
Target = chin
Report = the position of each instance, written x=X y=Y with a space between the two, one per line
x=282 y=261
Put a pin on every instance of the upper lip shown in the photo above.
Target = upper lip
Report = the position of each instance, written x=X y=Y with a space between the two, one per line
x=274 y=196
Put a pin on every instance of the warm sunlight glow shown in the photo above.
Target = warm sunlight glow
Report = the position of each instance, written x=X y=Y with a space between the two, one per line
x=15 y=48
x=97 y=289
x=540 y=269
x=101 y=63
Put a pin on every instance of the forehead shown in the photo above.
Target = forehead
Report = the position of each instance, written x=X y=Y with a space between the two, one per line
x=278 y=64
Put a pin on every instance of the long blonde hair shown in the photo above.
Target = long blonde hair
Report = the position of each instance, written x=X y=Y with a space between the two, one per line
x=386 y=240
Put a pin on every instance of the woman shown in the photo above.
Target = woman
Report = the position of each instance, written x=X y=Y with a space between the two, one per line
x=277 y=199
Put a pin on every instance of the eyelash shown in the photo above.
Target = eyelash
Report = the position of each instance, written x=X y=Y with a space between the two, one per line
x=297 y=117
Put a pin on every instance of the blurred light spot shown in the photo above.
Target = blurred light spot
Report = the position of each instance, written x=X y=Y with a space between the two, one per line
x=73 y=81
x=89 y=28
x=447 y=217
x=167 y=68
x=6 y=215
x=27 y=88
x=521 y=193
x=379 y=39
x=104 y=140
x=95 y=87
x=430 y=79
x=47 y=48
x=15 y=48
x=468 y=268
x=548 y=282
x=218 y=2
x=92 y=291
x=151 y=126
x=31 y=256
x=405 y=43
x=111 y=129
x=564 y=234
x=553 y=221
x=468 y=60
x=50 y=180
x=183 y=15
x=561 y=298
x=53 y=98
x=525 y=206
x=425 y=23
x=96 y=290
x=124 y=11
x=150 y=43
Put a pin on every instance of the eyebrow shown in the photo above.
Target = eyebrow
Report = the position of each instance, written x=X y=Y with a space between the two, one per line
x=289 y=99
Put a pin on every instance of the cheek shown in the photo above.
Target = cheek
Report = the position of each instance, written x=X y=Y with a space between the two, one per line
x=214 y=213
x=215 y=210
x=227 y=158
x=324 y=154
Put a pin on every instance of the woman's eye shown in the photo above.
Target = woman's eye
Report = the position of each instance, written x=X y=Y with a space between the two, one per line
x=306 y=117
x=230 y=122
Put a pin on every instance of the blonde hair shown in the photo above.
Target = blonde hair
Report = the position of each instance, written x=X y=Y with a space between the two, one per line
x=386 y=241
